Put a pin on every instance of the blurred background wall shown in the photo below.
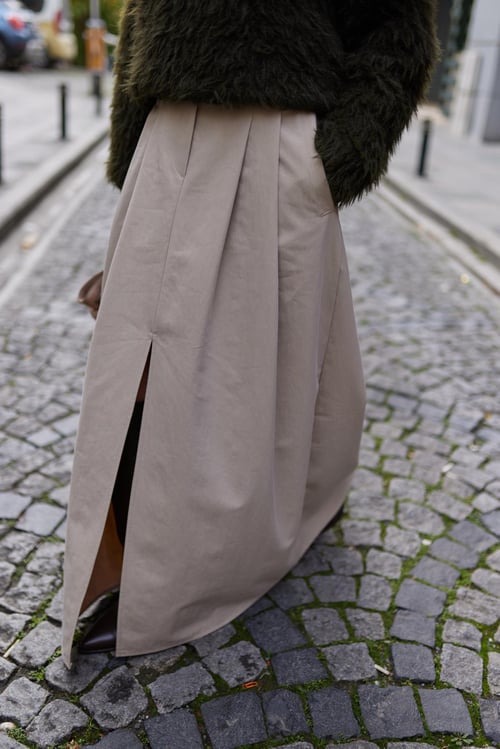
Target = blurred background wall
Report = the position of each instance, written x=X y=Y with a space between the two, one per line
x=466 y=84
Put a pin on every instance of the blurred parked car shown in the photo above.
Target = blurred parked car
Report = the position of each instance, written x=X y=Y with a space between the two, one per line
x=55 y=25
x=20 y=40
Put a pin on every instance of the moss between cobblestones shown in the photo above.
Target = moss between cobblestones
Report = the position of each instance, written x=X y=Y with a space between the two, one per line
x=19 y=735
x=472 y=703
x=142 y=736
x=380 y=653
x=37 y=675
x=40 y=614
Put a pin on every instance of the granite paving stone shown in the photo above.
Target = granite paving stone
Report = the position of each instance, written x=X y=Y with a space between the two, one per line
x=361 y=533
x=44 y=436
x=85 y=669
x=473 y=536
x=366 y=624
x=21 y=700
x=492 y=521
x=41 y=518
x=66 y=426
x=343 y=561
x=284 y=713
x=490 y=718
x=484 y=502
x=409 y=745
x=421 y=598
x=477 y=478
x=36 y=648
x=234 y=720
x=274 y=631
x=312 y=562
x=386 y=429
x=435 y=573
x=47 y=559
x=28 y=593
x=334 y=588
x=390 y=712
x=413 y=662
x=55 y=609
x=324 y=625
x=487 y=580
x=55 y=722
x=16 y=546
x=450 y=551
x=397 y=466
x=375 y=593
x=462 y=633
x=475 y=605
x=332 y=714
x=368 y=481
x=353 y=745
x=236 y=664
x=120 y=739
x=157 y=662
x=290 y=593
x=181 y=687
x=116 y=700
x=415 y=517
x=60 y=495
x=407 y=488
x=298 y=667
x=350 y=662
x=177 y=730
x=446 y=505
x=6 y=670
x=401 y=542
x=296 y=745
x=383 y=563
x=367 y=459
x=461 y=668
x=7 y=571
x=372 y=507
x=12 y=505
x=445 y=711
x=493 y=560
x=494 y=673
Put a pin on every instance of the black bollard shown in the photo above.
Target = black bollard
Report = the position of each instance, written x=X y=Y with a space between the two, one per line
x=63 y=91
x=97 y=81
x=1 y=160
x=424 y=148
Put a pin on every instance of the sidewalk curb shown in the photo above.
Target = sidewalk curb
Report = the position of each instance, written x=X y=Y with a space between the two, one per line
x=461 y=246
x=482 y=241
x=26 y=193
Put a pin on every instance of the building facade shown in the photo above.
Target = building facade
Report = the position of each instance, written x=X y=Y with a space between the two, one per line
x=467 y=81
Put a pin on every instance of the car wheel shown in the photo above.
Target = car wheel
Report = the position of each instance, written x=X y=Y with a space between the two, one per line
x=3 y=55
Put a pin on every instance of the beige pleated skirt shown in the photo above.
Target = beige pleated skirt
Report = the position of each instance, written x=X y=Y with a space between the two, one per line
x=226 y=265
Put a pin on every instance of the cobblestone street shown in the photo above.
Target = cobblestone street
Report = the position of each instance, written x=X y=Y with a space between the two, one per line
x=386 y=634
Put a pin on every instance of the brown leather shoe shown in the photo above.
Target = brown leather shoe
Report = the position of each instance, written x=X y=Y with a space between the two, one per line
x=101 y=637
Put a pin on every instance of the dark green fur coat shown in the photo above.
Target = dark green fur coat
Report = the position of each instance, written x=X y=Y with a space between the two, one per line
x=361 y=65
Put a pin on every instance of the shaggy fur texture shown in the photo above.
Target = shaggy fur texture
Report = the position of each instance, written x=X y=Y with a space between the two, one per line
x=362 y=66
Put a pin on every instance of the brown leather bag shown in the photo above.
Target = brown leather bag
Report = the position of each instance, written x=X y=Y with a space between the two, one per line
x=90 y=293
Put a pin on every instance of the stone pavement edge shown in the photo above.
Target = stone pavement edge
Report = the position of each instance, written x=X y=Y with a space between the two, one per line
x=385 y=635
x=34 y=159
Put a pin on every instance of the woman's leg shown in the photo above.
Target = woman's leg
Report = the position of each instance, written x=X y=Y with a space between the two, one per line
x=101 y=637
x=123 y=483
